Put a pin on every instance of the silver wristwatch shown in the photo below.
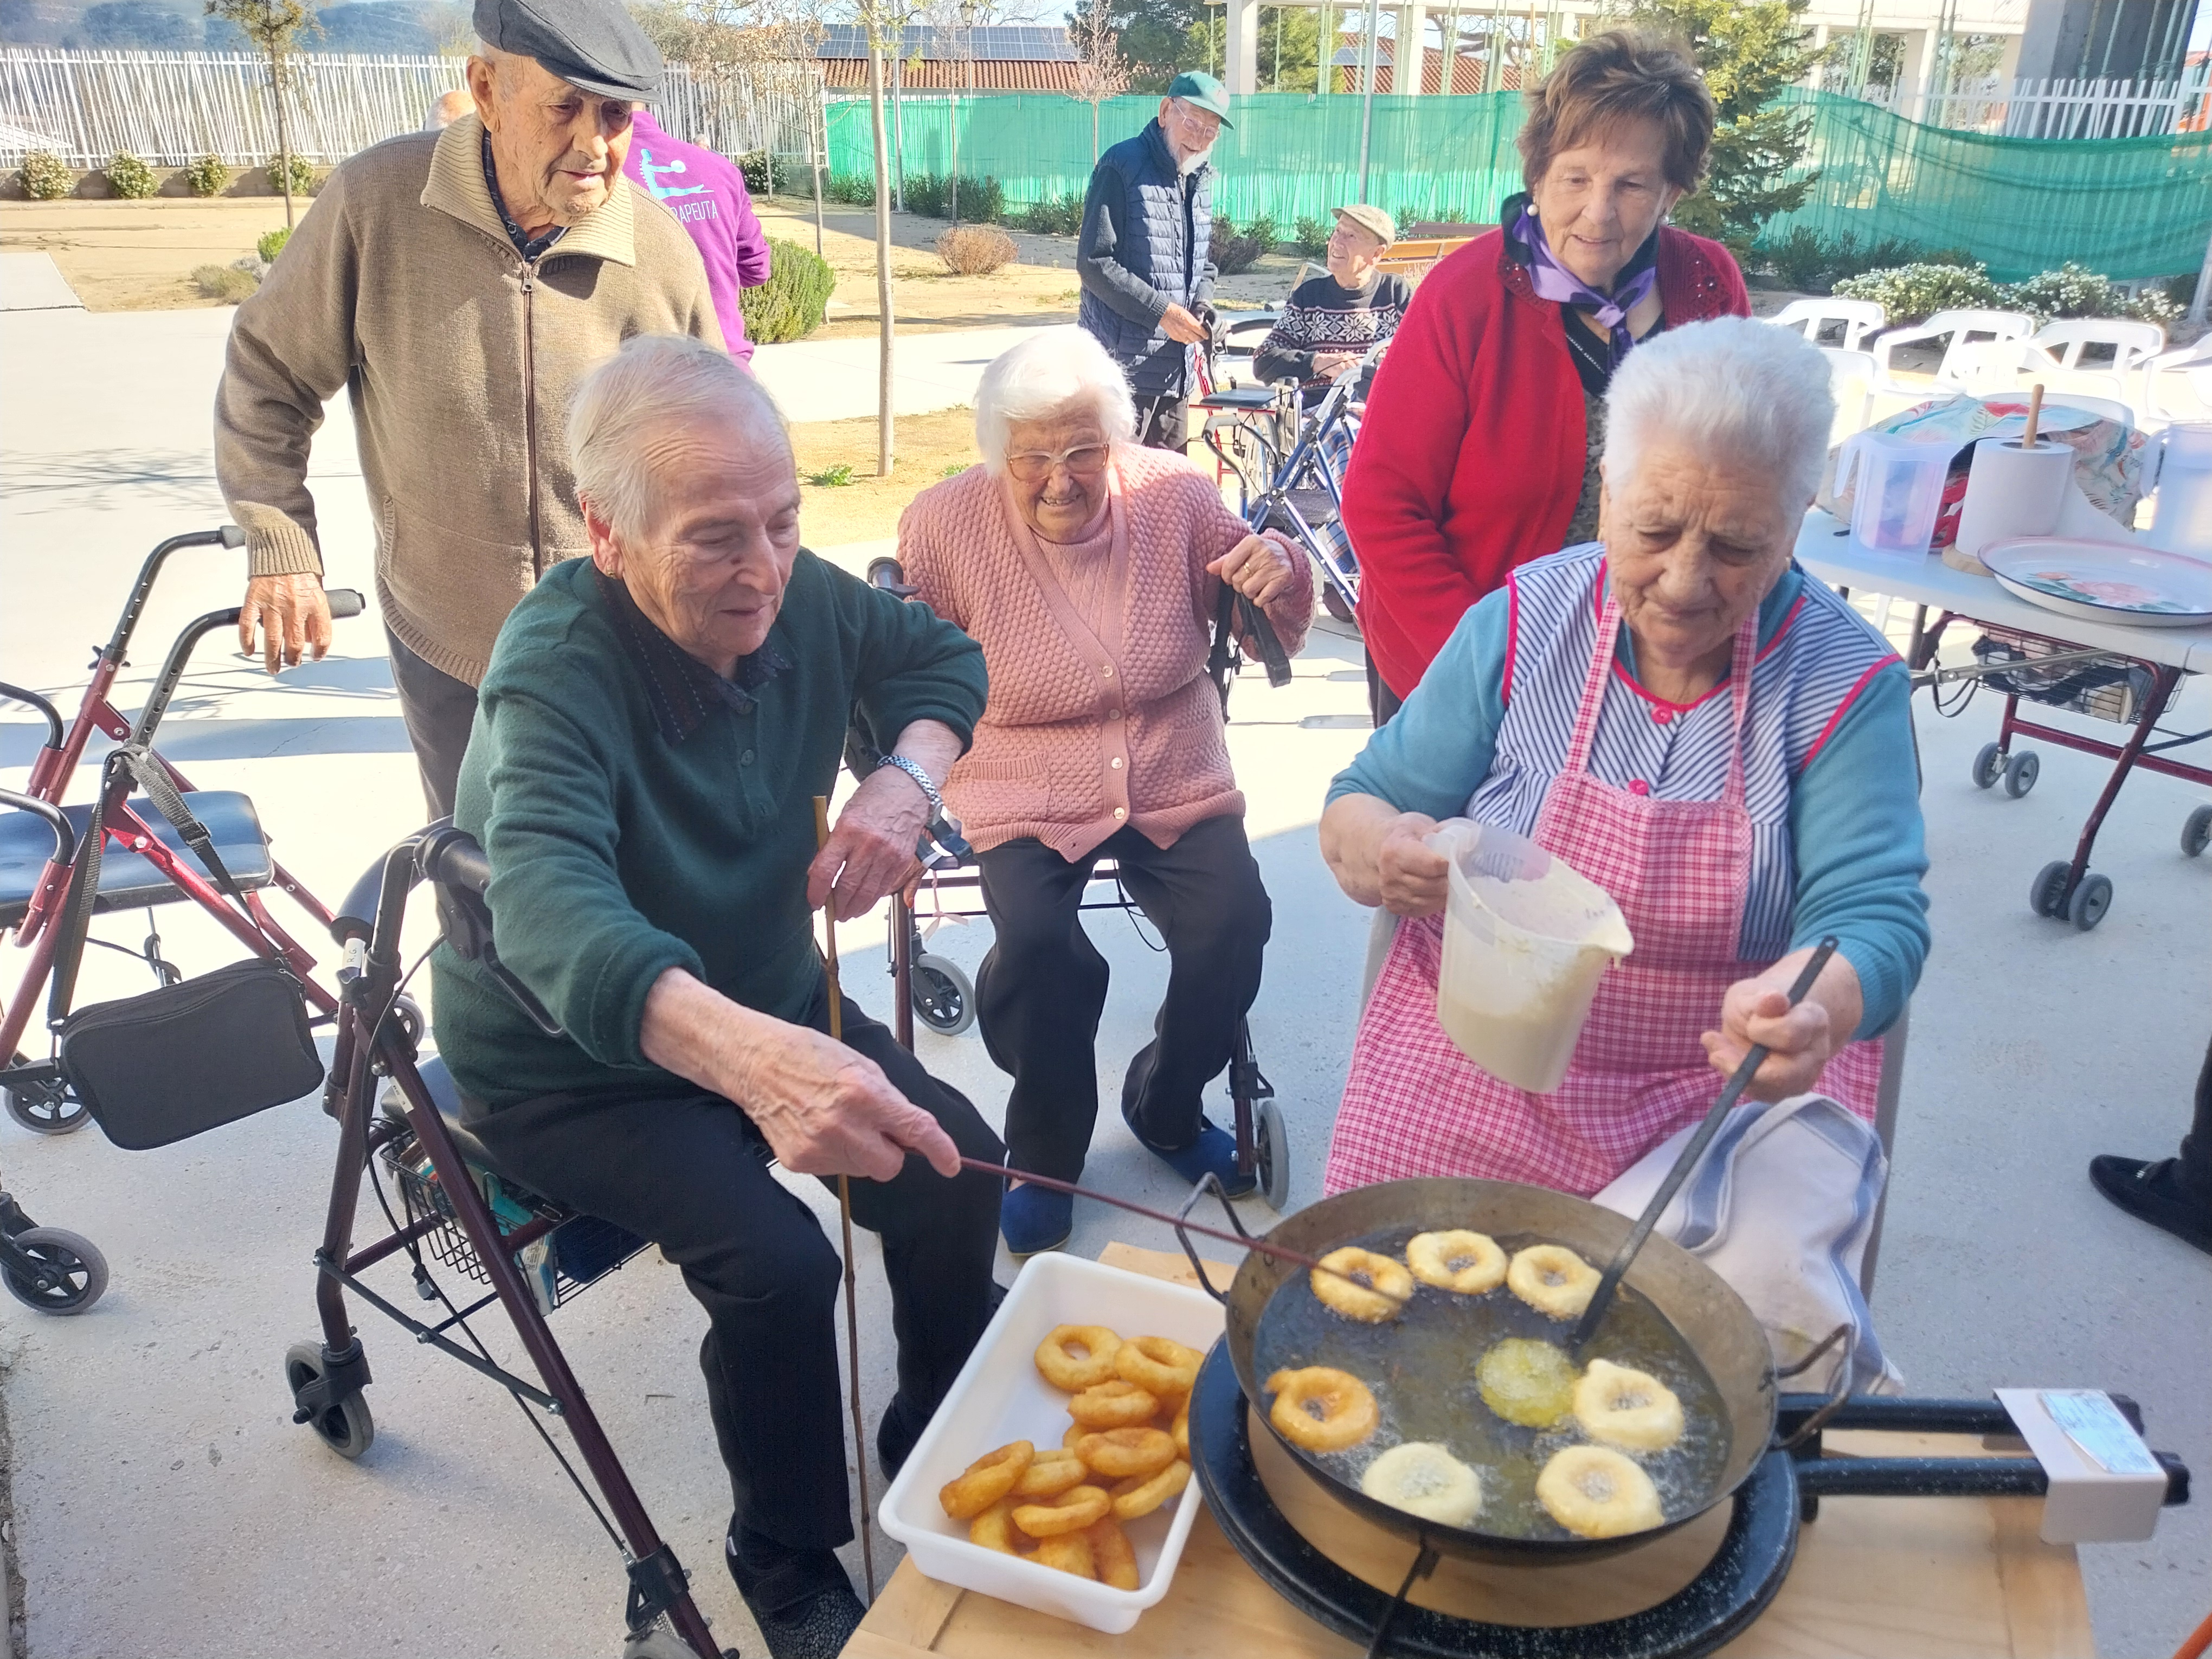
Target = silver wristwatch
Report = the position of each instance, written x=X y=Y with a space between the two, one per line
x=912 y=770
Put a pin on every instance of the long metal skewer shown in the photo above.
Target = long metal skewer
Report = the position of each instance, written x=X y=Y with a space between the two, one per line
x=845 y=1219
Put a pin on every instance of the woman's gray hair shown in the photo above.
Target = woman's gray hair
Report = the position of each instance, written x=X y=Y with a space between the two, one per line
x=1043 y=374
x=655 y=381
x=1729 y=387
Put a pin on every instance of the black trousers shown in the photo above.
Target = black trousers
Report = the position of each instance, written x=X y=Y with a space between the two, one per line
x=2194 y=1170
x=439 y=710
x=1042 y=987
x=1382 y=701
x=690 y=1174
x=1164 y=421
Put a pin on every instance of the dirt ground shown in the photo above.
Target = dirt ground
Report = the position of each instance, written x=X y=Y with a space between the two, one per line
x=927 y=448
x=138 y=256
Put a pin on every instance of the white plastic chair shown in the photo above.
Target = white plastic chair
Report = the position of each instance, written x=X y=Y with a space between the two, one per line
x=2133 y=347
x=1961 y=326
x=1847 y=369
x=2194 y=361
x=1858 y=318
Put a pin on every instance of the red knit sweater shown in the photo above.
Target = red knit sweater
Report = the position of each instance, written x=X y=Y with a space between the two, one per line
x=1472 y=454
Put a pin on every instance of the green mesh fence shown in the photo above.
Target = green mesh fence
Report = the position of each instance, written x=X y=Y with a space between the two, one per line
x=2128 y=207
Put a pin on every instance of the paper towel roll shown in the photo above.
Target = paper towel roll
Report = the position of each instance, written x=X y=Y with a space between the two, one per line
x=2011 y=491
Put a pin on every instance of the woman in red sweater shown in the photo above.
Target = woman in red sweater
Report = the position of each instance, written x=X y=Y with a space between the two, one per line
x=1481 y=443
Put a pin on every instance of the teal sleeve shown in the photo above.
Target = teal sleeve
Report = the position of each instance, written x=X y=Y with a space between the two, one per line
x=564 y=924
x=912 y=664
x=1861 y=848
x=1438 y=747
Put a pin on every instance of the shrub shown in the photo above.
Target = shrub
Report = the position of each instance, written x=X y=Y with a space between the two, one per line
x=853 y=189
x=225 y=283
x=753 y=168
x=45 y=177
x=1053 y=216
x=2074 y=290
x=832 y=478
x=1810 y=263
x=1312 y=237
x=129 y=178
x=303 y=176
x=790 y=304
x=1912 y=294
x=1233 y=250
x=272 y=243
x=975 y=249
x=983 y=201
x=207 y=176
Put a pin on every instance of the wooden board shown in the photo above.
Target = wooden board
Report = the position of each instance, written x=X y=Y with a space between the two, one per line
x=1937 y=1578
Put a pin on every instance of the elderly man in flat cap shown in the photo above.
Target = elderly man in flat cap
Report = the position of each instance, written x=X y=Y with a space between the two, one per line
x=456 y=284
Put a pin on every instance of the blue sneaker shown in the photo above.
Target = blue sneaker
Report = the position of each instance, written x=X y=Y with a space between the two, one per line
x=1032 y=1218
x=1214 y=1151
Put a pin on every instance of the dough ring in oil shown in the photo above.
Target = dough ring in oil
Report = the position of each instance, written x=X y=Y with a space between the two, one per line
x=1336 y=1291
x=1322 y=1409
x=1627 y=1408
x=1596 y=1493
x=1422 y=1479
x=1552 y=1280
x=1464 y=1263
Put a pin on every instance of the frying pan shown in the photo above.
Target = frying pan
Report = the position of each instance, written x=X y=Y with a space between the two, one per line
x=1710 y=1317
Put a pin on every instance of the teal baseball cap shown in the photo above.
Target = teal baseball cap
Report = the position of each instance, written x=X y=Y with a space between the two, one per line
x=1202 y=91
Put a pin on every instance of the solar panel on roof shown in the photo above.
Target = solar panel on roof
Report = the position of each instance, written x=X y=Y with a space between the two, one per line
x=1026 y=43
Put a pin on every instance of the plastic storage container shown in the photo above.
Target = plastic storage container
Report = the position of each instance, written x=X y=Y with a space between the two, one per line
x=1527 y=938
x=1899 y=491
x=1000 y=1396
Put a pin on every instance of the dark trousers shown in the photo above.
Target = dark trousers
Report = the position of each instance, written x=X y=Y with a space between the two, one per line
x=1382 y=701
x=2193 y=1171
x=1164 y=421
x=690 y=1174
x=1042 y=988
x=439 y=710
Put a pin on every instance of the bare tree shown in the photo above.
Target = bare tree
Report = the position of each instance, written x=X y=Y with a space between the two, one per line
x=275 y=27
x=1101 y=71
x=725 y=41
x=875 y=18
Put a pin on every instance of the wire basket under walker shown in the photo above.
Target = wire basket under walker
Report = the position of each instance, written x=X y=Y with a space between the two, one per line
x=2102 y=688
x=580 y=1250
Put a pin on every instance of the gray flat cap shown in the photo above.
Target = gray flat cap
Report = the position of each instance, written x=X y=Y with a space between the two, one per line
x=593 y=44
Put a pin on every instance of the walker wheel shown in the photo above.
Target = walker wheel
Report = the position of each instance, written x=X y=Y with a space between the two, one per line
x=659 y=1642
x=2019 y=773
x=46 y=1108
x=344 y=1426
x=2046 y=895
x=941 y=995
x=2090 y=901
x=64 y=1275
x=1273 y=1155
x=1989 y=765
x=2196 y=832
x=1335 y=604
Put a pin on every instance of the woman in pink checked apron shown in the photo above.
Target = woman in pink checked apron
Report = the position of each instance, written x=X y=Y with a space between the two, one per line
x=1685 y=718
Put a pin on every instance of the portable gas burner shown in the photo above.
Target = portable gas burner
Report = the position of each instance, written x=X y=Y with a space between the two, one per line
x=1782 y=1492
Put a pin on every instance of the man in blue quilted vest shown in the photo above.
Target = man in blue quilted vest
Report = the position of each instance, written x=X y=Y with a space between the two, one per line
x=1147 y=282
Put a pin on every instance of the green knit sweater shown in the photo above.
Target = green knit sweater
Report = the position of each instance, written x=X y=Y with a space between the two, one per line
x=640 y=814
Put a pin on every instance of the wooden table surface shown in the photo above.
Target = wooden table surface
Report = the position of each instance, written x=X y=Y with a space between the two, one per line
x=1933 y=1578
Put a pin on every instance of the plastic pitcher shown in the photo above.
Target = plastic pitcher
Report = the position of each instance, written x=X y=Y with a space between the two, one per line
x=1527 y=938
x=2181 y=512
x=1900 y=491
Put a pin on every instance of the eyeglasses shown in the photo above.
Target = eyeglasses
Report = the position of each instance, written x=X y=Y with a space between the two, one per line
x=1033 y=466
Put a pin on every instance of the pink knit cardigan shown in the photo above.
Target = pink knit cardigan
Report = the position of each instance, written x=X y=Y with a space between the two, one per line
x=1083 y=735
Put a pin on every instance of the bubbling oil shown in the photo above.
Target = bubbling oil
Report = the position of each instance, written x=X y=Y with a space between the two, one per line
x=1422 y=1367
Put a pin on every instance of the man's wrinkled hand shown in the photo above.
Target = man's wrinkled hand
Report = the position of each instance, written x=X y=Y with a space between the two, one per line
x=826 y=1111
x=1412 y=875
x=869 y=853
x=1179 y=323
x=292 y=615
x=1257 y=568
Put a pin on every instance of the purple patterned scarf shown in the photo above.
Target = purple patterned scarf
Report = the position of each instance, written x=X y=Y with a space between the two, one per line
x=1554 y=281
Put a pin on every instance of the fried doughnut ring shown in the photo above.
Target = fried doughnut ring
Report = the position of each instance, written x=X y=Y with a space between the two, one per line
x=1115 y=1405
x=1074 y=1510
x=1423 y=1479
x=995 y=1528
x=1464 y=1263
x=1067 y=1552
x=1181 y=1431
x=1140 y=1495
x=1596 y=1493
x=1050 y=1473
x=1553 y=1280
x=1527 y=1382
x=1392 y=1283
x=1059 y=1366
x=1321 y=1410
x=1159 y=1365
x=1075 y=1432
x=986 y=1480
x=1117 y=1454
x=1627 y=1408
x=1111 y=1552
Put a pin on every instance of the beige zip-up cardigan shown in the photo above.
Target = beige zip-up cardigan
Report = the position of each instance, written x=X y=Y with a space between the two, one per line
x=401 y=286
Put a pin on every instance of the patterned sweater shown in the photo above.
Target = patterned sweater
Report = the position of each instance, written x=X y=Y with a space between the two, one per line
x=1324 y=315
x=1089 y=729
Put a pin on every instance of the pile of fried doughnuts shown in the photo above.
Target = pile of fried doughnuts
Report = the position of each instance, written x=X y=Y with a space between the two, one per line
x=1126 y=1454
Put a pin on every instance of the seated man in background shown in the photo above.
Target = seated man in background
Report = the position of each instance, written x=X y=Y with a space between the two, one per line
x=654 y=725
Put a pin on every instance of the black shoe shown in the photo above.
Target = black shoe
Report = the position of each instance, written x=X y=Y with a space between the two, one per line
x=2152 y=1191
x=801 y=1599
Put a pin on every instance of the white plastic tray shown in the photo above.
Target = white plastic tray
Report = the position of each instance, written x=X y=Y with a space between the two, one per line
x=999 y=1397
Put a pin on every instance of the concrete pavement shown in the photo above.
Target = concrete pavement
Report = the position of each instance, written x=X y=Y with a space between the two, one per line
x=165 y=1506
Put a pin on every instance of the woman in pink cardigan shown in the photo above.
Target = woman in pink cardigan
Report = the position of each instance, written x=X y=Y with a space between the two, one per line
x=1090 y=571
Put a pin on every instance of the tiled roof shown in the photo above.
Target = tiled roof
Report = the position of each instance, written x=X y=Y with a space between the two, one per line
x=843 y=74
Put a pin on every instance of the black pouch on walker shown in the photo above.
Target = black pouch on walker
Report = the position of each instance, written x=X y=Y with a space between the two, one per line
x=176 y=1061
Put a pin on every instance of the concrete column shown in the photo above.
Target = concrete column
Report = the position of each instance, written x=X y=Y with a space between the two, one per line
x=1411 y=53
x=1919 y=69
x=1324 y=49
x=1241 y=62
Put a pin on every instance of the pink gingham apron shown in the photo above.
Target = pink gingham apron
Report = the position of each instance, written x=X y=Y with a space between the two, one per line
x=1681 y=871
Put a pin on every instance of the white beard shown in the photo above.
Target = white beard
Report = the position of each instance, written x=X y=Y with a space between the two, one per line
x=1189 y=164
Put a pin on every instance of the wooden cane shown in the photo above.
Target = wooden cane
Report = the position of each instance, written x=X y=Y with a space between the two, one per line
x=845 y=1220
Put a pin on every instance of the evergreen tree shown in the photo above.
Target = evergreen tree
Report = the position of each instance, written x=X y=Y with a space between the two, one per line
x=1159 y=38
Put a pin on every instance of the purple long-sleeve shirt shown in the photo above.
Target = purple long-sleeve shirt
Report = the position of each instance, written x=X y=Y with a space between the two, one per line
x=709 y=195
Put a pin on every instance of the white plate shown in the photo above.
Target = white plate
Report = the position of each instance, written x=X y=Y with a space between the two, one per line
x=999 y=1396
x=2128 y=582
